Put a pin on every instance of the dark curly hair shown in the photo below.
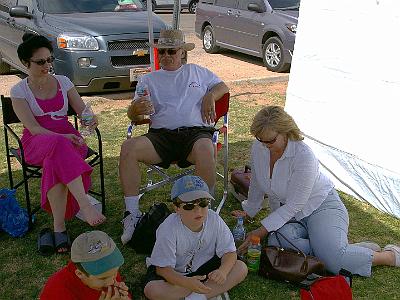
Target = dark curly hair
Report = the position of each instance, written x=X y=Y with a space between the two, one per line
x=30 y=43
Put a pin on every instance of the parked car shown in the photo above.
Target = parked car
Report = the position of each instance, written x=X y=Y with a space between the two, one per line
x=191 y=5
x=96 y=43
x=262 y=28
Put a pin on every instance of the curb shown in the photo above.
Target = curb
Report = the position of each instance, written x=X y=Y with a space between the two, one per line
x=256 y=80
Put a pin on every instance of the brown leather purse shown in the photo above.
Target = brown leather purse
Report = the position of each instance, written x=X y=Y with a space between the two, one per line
x=287 y=264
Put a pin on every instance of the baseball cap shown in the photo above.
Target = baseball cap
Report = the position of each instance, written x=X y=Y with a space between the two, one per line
x=189 y=188
x=96 y=252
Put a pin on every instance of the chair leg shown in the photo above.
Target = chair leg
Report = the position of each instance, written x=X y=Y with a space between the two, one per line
x=27 y=196
x=103 y=193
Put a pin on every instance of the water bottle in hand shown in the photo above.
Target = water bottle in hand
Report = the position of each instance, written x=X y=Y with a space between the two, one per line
x=239 y=232
x=86 y=118
x=142 y=90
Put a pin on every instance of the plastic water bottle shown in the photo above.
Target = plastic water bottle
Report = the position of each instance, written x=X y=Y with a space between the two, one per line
x=86 y=118
x=253 y=254
x=142 y=90
x=239 y=232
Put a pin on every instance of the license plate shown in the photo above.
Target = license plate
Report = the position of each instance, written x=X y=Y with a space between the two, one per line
x=136 y=73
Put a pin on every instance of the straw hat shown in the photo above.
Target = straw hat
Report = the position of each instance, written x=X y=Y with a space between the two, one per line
x=173 y=38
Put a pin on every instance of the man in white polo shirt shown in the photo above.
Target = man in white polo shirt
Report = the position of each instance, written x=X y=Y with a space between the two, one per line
x=183 y=101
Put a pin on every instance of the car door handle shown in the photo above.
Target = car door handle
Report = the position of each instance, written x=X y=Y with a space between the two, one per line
x=229 y=12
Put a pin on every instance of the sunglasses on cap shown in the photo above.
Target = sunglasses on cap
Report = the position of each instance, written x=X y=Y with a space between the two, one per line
x=169 y=51
x=270 y=142
x=41 y=62
x=204 y=202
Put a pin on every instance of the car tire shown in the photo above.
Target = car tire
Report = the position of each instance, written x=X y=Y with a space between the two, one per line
x=4 y=67
x=193 y=6
x=208 y=39
x=274 y=56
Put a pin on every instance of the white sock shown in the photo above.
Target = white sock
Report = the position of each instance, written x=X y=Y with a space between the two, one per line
x=196 y=296
x=132 y=203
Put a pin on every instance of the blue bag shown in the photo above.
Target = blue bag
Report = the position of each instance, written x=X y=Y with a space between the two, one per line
x=13 y=219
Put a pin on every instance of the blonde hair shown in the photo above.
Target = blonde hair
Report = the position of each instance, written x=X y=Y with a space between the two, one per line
x=275 y=118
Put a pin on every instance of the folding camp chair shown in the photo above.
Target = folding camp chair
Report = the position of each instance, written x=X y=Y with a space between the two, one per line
x=221 y=109
x=94 y=157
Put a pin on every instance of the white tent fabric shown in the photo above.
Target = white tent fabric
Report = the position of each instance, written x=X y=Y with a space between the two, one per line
x=344 y=93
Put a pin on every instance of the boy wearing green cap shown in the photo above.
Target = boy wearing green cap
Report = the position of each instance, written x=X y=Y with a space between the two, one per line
x=194 y=256
x=92 y=273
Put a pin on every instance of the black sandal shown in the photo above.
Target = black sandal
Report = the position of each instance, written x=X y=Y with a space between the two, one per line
x=62 y=242
x=46 y=242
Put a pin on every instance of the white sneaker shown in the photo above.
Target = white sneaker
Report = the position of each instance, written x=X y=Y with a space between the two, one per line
x=129 y=222
x=369 y=245
x=396 y=251
x=224 y=296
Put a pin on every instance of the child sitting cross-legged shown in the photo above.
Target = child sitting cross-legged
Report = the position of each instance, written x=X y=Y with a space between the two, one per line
x=92 y=273
x=194 y=256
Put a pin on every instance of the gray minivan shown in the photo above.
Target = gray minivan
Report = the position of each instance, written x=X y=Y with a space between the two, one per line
x=97 y=44
x=262 y=28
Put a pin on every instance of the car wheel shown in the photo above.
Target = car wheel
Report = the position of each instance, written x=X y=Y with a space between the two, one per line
x=273 y=55
x=193 y=6
x=209 y=40
x=4 y=67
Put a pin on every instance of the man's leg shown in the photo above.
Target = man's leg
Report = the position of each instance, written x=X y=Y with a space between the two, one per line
x=133 y=151
x=202 y=156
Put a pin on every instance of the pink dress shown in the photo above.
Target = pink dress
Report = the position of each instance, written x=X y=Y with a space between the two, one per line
x=61 y=160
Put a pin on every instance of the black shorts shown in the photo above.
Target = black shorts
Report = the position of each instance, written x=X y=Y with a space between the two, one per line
x=211 y=265
x=176 y=145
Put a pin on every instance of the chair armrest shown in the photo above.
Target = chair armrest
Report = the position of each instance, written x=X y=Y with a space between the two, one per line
x=16 y=137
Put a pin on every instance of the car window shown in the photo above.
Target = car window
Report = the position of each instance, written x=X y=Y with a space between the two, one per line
x=226 y=3
x=27 y=3
x=89 y=6
x=6 y=4
x=284 y=4
x=244 y=3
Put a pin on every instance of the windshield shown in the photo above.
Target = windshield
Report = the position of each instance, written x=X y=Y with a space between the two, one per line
x=88 y=6
x=284 y=4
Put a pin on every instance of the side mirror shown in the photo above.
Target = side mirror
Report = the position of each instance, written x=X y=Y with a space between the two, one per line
x=255 y=7
x=20 y=12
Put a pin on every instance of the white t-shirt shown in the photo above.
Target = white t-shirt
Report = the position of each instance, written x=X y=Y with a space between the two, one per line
x=177 y=95
x=176 y=244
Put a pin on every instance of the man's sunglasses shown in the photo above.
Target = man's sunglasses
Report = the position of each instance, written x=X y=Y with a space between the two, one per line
x=270 y=142
x=191 y=205
x=41 y=62
x=169 y=51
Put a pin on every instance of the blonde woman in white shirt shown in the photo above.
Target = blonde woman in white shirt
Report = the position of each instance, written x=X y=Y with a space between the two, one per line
x=285 y=169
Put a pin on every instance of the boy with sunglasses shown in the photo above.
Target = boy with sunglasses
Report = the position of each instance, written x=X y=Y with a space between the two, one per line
x=194 y=256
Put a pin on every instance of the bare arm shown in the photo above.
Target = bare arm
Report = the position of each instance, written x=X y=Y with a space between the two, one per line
x=219 y=275
x=75 y=100
x=191 y=283
x=209 y=99
x=24 y=114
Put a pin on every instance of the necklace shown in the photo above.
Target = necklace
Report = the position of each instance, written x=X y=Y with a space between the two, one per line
x=39 y=85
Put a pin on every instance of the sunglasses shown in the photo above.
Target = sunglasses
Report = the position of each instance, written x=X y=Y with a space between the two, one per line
x=191 y=205
x=41 y=62
x=270 y=142
x=169 y=51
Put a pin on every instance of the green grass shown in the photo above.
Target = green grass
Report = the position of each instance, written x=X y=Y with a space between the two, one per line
x=23 y=272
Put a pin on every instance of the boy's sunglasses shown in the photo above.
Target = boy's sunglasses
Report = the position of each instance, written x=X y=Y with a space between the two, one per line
x=41 y=62
x=191 y=205
x=169 y=51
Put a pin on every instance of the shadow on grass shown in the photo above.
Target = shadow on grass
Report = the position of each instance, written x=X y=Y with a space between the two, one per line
x=19 y=261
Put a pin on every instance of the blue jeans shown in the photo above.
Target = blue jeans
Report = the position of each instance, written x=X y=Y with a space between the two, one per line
x=324 y=235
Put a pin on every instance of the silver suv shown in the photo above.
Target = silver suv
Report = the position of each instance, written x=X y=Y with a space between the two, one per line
x=262 y=28
x=97 y=44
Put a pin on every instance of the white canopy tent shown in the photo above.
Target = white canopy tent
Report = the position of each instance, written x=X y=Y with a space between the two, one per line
x=344 y=93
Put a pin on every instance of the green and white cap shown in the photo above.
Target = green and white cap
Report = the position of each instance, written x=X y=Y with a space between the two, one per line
x=96 y=252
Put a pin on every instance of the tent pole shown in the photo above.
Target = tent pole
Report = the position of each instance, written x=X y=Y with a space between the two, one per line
x=176 y=14
x=151 y=33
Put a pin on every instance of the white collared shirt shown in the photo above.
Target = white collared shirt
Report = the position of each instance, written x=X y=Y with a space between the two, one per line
x=296 y=189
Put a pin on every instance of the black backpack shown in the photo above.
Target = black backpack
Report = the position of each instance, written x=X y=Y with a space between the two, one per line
x=144 y=236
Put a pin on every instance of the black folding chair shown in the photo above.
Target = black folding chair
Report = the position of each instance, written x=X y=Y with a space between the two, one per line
x=94 y=157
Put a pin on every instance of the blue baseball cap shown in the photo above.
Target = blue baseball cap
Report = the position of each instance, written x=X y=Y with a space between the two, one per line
x=189 y=188
x=96 y=252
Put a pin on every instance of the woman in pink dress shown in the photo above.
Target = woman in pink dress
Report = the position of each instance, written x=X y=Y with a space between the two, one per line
x=41 y=103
